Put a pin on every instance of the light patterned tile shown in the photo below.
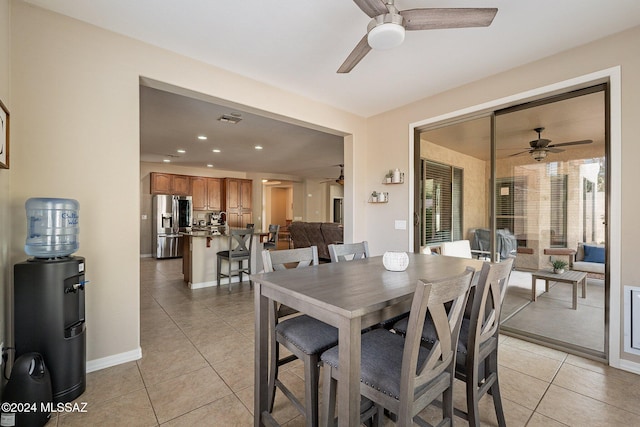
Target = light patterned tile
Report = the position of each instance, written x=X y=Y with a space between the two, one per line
x=178 y=396
x=227 y=411
x=620 y=391
x=112 y=382
x=133 y=409
x=157 y=366
x=575 y=409
x=529 y=363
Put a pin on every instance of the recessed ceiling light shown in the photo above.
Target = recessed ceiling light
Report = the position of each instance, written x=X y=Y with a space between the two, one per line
x=265 y=180
x=181 y=151
x=167 y=161
x=216 y=150
x=258 y=147
x=202 y=137
x=209 y=165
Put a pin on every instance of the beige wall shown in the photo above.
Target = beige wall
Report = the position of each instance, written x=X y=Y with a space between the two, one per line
x=476 y=180
x=619 y=50
x=5 y=175
x=76 y=134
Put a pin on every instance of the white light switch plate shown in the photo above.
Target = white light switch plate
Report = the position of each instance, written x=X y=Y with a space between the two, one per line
x=143 y=217
x=401 y=224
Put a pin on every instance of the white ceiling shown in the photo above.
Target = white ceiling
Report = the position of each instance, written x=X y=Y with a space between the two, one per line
x=297 y=45
x=171 y=122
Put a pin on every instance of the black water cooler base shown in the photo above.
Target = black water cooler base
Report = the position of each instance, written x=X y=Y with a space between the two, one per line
x=49 y=318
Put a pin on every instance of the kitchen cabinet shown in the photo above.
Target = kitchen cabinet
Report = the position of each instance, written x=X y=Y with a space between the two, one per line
x=237 y=196
x=168 y=183
x=206 y=193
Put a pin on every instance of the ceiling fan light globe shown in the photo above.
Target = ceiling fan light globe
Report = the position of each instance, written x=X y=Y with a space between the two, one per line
x=386 y=36
x=539 y=155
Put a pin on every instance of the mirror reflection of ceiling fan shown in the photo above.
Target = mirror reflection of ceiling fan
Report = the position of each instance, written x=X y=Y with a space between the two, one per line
x=388 y=24
x=540 y=147
x=340 y=179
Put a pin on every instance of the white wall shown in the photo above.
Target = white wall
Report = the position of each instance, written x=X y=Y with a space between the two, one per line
x=75 y=133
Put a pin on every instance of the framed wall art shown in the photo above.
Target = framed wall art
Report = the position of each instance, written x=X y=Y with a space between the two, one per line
x=4 y=137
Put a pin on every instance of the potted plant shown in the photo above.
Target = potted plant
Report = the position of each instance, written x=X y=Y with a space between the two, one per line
x=559 y=266
x=374 y=196
x=389 y=176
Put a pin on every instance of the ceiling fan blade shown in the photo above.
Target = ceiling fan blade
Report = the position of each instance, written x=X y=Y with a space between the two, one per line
x=564 y=144
x=434 y=19
x=372 y=7
x=356 y=55
x=521 y=152
x=555 y=150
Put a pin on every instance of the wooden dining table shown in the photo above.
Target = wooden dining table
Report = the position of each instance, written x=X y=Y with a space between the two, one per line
x=350 y=296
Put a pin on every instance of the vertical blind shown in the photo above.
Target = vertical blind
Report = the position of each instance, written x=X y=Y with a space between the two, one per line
x=441 y=202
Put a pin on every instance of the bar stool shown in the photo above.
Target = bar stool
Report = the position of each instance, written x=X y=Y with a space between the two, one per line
x=240 y=242
x=272 y=240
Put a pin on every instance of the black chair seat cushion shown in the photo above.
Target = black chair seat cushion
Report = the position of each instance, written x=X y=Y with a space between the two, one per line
x=429 y=336
x=381 y=360
x=225 y=254
x=308 y=334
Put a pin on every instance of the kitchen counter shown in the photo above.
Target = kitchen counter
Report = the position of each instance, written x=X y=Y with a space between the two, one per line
x=199 y=261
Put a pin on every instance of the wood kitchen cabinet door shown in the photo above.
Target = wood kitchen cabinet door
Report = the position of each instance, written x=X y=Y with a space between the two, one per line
x=161 y=183
x=237 y=201
x=232 y=194
x=199 y=193
x=181 y=185
x=168 y=183
x=245 y=194
x=214 y=194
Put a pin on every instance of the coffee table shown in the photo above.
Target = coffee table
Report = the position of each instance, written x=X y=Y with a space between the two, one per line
x=570 y=276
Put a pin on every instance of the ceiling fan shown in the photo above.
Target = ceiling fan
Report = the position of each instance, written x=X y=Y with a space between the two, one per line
x=540 y=147
x=340 y=179
x=388 y=24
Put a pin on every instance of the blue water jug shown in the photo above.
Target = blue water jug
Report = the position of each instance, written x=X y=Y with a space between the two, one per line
x=52 y=227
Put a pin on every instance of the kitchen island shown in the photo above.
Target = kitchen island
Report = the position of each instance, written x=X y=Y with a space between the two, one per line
x=199 y=257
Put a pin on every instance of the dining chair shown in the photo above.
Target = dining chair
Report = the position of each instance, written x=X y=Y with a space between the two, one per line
x=240 y=243
x=477 y=359
x=400 y=375
x=305 y=337
x=272 y=239
x=348 y=251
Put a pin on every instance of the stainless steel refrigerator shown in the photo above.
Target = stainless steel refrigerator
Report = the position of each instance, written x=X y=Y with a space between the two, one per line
x=171 y=216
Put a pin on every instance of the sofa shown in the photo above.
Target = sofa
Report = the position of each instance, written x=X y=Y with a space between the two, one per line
x=320 y=234
x=589 y=257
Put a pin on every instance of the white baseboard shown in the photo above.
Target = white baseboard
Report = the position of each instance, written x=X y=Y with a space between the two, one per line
x=201 y=285
x=627 y=365
x=116 y=359
x=146 y=255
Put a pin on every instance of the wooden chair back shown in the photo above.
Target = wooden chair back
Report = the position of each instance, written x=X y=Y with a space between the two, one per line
x=348 y=251
x=289 y=258
x=444 y=301
x=240 y=242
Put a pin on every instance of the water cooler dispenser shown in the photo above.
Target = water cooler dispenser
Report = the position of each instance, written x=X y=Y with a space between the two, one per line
x=49 y=309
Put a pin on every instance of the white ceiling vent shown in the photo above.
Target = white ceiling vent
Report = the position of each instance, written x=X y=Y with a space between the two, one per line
x=232 y=118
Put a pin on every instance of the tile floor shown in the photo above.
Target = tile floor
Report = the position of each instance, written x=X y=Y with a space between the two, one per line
x=197 y=370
